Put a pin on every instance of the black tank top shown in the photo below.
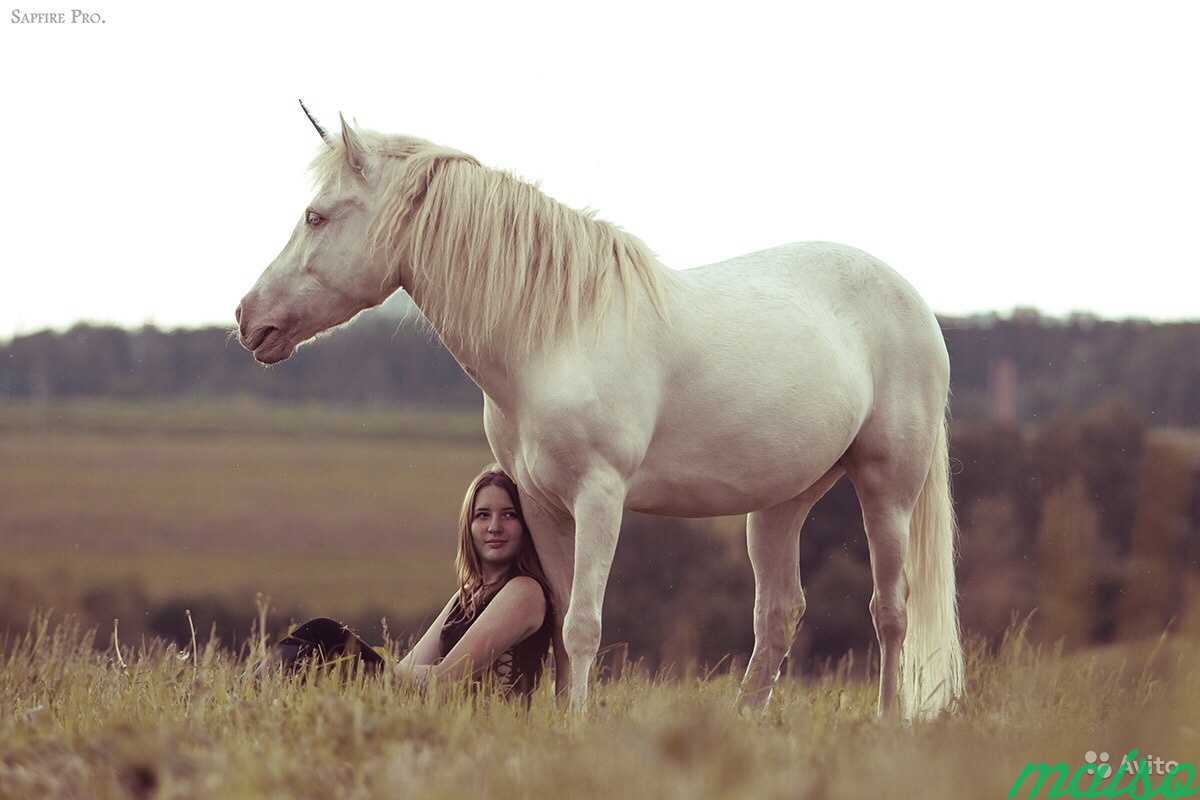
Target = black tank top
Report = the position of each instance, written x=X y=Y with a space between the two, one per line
x=518 y=669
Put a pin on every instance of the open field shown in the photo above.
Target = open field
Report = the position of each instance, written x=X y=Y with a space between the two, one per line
x=333 y=511
x=345 y=513
x=174 y=723
x=236 y=416
x=231 y=493
x=351 y=513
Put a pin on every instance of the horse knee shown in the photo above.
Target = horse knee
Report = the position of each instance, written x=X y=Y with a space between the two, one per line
x=778 y=621
x=793 y=612
x=890 y=618
x=581 y=636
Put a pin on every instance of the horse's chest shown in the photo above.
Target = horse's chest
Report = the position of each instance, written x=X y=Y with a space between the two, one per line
x=522 y=459
x=501 y=433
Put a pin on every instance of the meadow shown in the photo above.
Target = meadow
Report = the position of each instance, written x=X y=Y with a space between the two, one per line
x=111 y=508
x=166 y=722
x=350 y=513
x=337 y=511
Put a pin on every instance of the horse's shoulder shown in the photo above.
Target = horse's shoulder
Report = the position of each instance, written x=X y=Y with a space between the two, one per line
x=560 y=390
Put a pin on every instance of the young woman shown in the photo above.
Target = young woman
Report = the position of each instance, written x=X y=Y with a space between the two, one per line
x=498 y=622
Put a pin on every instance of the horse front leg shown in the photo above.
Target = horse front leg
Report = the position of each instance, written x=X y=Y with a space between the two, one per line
x=598 y=511
x=554 y=538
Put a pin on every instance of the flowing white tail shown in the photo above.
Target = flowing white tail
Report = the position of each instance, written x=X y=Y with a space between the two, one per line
x=931 y=666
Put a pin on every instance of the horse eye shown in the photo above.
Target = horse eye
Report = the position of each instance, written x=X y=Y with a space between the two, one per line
x=314 y=219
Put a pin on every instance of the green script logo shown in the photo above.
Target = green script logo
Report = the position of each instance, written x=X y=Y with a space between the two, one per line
x=1103 y=781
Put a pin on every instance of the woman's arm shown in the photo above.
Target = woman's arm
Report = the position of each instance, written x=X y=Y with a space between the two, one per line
x=429 y=648
x=517 y=611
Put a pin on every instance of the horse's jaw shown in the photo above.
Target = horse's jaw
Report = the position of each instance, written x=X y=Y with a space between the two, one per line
x=272 y=331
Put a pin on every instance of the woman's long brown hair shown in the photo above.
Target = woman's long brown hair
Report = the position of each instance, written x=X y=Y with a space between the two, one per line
x=470 y=571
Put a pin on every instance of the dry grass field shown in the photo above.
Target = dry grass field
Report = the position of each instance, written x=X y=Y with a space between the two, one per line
x=340 y=510
x=343 y=512
x=167 y=723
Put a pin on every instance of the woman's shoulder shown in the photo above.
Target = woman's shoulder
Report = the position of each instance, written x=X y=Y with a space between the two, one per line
x=527 y=594
x=524 y=587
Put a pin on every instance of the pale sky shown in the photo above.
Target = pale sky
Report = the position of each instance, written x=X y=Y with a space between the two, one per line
x=998 y=155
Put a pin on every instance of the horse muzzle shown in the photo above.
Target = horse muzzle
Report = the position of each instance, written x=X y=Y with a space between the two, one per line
x=267 y=343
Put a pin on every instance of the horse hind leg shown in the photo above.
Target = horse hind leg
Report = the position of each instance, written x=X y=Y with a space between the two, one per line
x=773 y=539
x=887 y=540
x=893 y=477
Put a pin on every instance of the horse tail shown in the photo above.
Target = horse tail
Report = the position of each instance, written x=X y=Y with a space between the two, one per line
x=931 y=662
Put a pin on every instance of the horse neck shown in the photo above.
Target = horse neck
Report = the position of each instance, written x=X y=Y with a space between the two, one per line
x=491 y=371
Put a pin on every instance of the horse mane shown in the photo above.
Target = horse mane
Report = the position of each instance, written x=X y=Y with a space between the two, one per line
x=493 y=258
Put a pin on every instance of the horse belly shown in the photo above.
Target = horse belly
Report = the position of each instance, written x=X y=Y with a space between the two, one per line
x=742 y=459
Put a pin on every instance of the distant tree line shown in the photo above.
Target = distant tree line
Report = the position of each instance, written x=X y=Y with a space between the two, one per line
x=378 y=360
x=1068 y=365
x=1021 y=368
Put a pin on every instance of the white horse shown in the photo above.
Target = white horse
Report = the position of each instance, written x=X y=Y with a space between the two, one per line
x=611 y=382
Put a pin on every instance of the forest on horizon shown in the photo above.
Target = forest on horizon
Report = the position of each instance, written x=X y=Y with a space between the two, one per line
x=1022 y=368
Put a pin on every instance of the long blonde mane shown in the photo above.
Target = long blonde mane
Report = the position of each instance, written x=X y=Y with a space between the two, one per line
x=496 y=263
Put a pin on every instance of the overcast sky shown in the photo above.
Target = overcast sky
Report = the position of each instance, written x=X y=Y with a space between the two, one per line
x=998 y=155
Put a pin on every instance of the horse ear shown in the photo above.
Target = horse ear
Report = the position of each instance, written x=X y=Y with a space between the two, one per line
x=355 y=151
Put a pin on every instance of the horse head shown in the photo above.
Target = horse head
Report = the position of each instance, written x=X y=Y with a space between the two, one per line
x=326 y=273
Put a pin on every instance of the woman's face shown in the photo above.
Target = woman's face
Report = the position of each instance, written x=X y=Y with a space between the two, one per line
x=496 y=531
